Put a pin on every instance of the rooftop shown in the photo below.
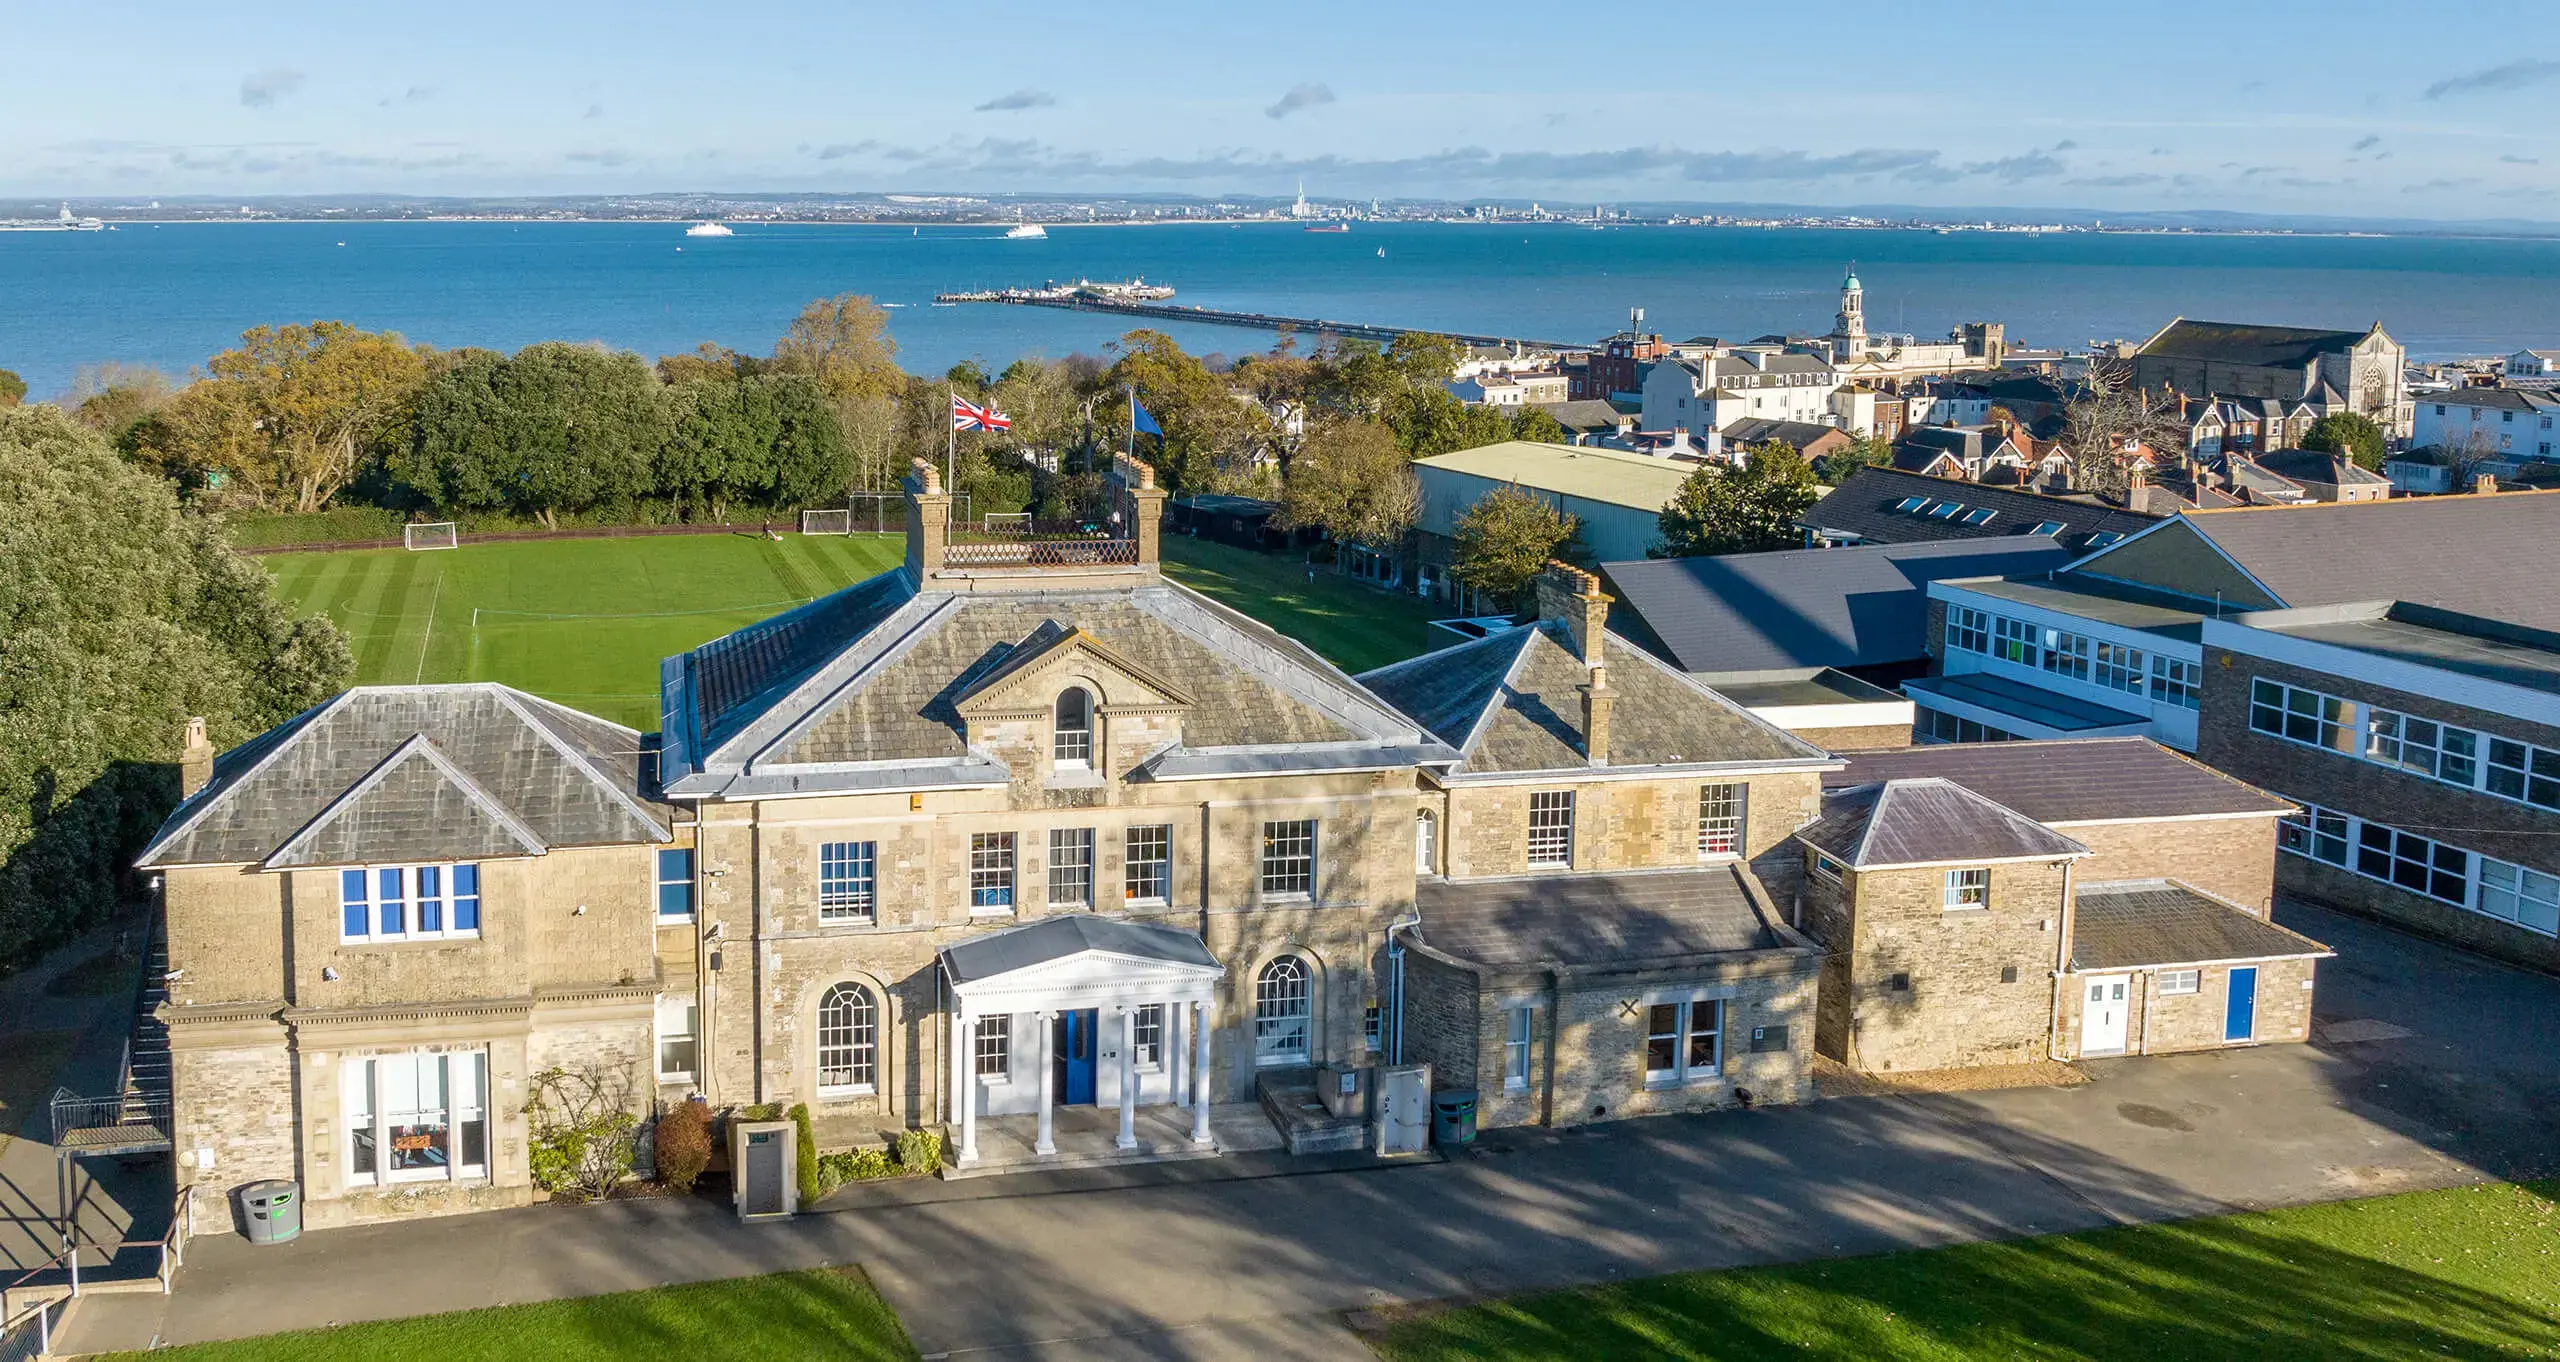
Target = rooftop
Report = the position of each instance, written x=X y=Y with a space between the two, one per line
x=2070 y=780
x=1635 y=919
x=1822 y=686
x=1602 y=475
x=2246 y=343
x=1071 y=934
x=2054 y=710
x=2148 y=924
x=1797 y=608
x=1928 y=820
x=2102 y=602
x=2400 y=552
x=2430 y=638
x=1891 y=506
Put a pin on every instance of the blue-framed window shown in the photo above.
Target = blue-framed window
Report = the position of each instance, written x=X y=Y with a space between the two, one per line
x=675 y=882
x=408 y=902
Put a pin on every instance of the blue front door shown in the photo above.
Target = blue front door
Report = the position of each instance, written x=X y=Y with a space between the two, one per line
x=2240 y=1015
x=1075 y=1058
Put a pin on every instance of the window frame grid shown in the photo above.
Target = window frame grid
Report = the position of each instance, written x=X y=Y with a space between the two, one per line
x=1147 y=1038
x=1690 y=1020
x=1288 y=858
x=849 y=1024
x=1519 y=1039
x=1731 y=826
x=1136 y=877
x=691 y=1036
x=1551 y=815
x=448 y=891
x=1965 y=889
x=994 y=861
x=682 y=883
x=991 y=1049
x=1070 y=867
x=848 y=881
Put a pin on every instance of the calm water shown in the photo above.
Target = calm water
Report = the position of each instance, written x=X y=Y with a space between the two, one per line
x=169 y=296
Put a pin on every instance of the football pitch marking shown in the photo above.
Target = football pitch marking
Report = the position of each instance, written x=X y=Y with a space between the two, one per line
x=427 y=635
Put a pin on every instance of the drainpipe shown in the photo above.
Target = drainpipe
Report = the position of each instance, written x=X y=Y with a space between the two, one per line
x=1395 y=961
x=2061 y=962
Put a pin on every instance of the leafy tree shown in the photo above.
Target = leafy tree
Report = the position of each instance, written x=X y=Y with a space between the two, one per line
x=1212 y=439
x=708 y=363
x=811 y=464
x=1507 y=537
x=120 y=617
x=13 y=389
x=111 y=398
x=1432 y=421
x=1535 y=423
x=1351 y=480
x=843 y=342
x=2353 y=434
x=1739 y=509
x=294 y=411
x=719 y=449
x=1862 y=451
x=551 y=429
x=1426 y=360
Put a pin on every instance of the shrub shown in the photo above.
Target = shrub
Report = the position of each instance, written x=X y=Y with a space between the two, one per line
x=811 y=1185
x=582 y=1128
x=684 y=1144
x=854 y=1165
x=920 y=1151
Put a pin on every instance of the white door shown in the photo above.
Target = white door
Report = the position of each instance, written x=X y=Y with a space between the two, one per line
x=2102 y=1010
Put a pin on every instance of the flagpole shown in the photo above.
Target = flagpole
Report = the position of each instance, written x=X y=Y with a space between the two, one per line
x=1133 y=420
x=951 y=441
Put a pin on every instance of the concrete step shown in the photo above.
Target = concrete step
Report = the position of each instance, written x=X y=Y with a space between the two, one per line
x=1289 y=1098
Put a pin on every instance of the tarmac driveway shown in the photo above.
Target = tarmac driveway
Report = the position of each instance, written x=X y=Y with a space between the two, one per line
x=1262 y=1267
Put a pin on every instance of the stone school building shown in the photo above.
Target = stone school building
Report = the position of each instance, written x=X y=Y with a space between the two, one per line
x=1025 y=843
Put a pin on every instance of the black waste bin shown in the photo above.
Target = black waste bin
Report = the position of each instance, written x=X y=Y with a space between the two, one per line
x=271 y=1211
x=1453 y=1117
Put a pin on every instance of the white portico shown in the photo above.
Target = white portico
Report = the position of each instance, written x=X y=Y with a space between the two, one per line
x=1079 y=1011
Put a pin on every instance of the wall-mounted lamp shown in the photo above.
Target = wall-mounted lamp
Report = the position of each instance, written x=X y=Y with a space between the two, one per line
x=579 y=911
x=328 y=974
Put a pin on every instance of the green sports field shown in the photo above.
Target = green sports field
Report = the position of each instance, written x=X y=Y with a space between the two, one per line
x=585 y=621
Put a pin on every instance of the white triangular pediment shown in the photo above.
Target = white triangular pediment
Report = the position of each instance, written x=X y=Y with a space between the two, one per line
x=1086 y=979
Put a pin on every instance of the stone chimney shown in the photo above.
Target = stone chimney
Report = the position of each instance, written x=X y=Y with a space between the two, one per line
x=1141 y=505
x=2484 y=484
x=1569 y=595
x=928 y=522
x=1597 y=700
x=195 y=760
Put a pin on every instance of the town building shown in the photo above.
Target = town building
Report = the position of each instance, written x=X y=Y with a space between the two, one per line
x=1616 y=370
x=1588 y=422
x=2306 y=475
x=2512 y=424
x=2358 y=371
x=1805 y=437
x=1616 y=496
x=2531 y=364
x=1704 y=395
x=2023 y=902
x=1861 y=356
x=1891 y=506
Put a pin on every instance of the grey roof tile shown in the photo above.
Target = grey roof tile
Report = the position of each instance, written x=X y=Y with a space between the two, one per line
x=1926 y=821
x=1795 y=608
x=2069 y=780
x=1067 y=935
x=2480 y=555
x=564 y=779
x=1626 y=919
x=2247 y=344
x=2145 y=924
x=1863 y=505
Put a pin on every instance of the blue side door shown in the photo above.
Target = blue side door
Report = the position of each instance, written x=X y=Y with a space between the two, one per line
x=1075 y=1057
x=2240 y=1015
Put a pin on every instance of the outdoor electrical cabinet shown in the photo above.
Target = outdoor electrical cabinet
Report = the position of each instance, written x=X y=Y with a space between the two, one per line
x=1404 y=1109
x=764 y=1168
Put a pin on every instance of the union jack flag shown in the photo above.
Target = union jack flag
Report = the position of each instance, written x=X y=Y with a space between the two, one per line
x=968 y=415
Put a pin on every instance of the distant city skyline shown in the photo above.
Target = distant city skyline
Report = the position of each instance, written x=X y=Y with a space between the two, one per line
x=2267 y=109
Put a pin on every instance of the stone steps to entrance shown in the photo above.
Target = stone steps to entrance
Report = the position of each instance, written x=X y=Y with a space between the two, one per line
x=1289 y=1098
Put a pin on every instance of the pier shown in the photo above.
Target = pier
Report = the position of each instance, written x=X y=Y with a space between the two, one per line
x=1087 y=301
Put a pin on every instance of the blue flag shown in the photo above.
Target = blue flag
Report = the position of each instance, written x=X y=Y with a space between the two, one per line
x=1141 y=421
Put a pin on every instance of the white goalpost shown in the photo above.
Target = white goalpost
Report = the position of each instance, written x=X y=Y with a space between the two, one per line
x=1008 y=522
x=826 y=522
x=430 y=535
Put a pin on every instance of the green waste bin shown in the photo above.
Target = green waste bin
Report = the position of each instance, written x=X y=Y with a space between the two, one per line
x=271 y=1211
x=1453 y=1117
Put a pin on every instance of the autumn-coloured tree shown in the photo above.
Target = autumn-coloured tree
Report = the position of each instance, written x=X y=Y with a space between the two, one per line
x=292 y=413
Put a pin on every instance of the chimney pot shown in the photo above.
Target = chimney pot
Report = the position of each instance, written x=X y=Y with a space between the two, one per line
x=195 y=759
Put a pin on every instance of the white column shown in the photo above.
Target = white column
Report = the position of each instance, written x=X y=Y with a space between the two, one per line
x=964 y=1083
x=1177 y=1054
x=1128 y=1078
x=1200 y=1073
x=1047 y=1143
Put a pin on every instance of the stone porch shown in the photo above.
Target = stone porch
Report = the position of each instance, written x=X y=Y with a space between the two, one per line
x=1088 y=1137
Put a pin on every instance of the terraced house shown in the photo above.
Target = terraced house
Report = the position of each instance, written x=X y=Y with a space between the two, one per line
x=1018 y=841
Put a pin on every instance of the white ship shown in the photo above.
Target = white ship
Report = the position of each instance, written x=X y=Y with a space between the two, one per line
x=1029 y=231
x=709 y=229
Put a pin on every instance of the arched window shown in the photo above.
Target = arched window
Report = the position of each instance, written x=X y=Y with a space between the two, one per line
x=1071 y=743
x=848 y=1040
x=1283 y=1012
x=1426 y=842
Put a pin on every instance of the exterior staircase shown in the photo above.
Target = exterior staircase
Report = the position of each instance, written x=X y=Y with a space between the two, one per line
x=1290 y=1099
x=147 y=1078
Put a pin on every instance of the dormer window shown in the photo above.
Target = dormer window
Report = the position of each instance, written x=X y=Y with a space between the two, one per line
x=1071 y=740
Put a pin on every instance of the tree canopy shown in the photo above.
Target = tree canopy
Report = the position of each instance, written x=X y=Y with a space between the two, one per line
x=292 y=412
x=2353 y=434
x=552 y=428
x=1747 y=508
x=120 y=617
x=13 y=389
x=1351 y=480
x=1507 y=537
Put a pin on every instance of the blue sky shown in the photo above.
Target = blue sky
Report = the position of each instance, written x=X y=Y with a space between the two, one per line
x=2344 y=107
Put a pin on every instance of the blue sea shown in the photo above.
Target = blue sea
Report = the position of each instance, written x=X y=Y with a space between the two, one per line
x=170 y=295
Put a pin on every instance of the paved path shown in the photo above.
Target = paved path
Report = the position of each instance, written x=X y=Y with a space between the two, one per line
x=1263 y=1267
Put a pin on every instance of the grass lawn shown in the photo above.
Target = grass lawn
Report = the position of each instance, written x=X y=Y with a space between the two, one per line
x=825 y=1313
x=585 y=621
x=2471 y=1272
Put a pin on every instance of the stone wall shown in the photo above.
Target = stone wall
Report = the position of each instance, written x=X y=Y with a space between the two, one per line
x=1867 y=738
x=2160 y=1024
x=1623 y=824
x=234 y=1118
x=1930 y=988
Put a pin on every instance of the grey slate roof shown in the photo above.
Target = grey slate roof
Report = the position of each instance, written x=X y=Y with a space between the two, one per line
x=2479 y=555
x=1071 y=934
x=2311 y=465
x=404 y=773
x=2243 y=343
x=1512 y=703
x=858 y=691
x=1863 y=505
x=1848 y=607
x=1628 y=919
x=1760 y=430
x=2070 y=780
x=2143 y=924
x=1928 y=820
x=1585 y=416
x=2053 y=709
